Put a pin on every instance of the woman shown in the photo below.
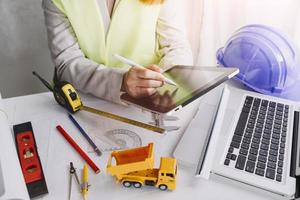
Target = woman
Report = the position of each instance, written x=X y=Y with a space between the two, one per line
x=84 y=34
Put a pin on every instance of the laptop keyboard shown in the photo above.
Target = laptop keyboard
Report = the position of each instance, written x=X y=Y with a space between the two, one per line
x=259 y=140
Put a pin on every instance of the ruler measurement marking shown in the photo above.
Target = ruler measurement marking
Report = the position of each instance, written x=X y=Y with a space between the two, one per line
x=123 y=119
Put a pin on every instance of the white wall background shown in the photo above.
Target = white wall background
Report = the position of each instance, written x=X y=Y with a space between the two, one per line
x=218 y=19
x=23 y=47
x=23 y=41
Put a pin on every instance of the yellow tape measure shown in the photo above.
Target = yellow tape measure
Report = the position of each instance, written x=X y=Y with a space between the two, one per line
x=123 y=119
x=67 y=96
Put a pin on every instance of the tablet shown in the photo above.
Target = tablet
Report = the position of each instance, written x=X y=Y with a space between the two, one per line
x=192 y=82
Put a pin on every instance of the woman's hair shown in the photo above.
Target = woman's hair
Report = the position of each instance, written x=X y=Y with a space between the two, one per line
x=153 y=1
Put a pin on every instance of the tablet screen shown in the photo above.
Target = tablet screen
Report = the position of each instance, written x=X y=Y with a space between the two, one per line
x=192 y=82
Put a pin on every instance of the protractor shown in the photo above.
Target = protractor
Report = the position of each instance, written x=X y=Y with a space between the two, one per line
x=123 y=138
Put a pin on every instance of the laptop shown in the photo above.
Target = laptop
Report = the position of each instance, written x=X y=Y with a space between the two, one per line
x=251 y=138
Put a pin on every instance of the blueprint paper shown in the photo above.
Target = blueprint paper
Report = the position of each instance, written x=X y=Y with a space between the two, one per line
x=56 y=154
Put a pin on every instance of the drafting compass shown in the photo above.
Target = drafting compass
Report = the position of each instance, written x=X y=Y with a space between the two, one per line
x=72 y=173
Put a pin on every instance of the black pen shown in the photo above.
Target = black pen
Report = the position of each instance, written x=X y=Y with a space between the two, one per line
x=96 y=149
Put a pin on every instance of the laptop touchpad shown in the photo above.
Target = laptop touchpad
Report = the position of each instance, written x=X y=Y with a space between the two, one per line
x=198 y=130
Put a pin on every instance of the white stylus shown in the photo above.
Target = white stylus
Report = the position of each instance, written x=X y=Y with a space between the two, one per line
x=131 y=63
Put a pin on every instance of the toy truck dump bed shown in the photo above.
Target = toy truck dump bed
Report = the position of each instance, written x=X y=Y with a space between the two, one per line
x=131 y=160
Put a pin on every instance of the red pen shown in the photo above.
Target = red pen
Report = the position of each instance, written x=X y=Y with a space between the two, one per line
x=78 y=149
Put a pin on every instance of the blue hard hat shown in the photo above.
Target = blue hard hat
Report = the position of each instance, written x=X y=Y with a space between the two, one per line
x=268 y=61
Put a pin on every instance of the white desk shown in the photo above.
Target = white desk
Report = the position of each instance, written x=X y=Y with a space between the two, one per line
x=56 y=153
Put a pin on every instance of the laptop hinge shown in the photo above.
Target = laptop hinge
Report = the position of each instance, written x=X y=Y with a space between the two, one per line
x=295 y=158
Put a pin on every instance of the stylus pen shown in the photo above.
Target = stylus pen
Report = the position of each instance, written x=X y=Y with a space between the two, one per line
x=78 y=149
x=131 y=63
x=85 y=135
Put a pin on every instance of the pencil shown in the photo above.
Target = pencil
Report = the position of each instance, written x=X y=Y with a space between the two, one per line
x=85 y=184
x=78 y=149
x=85 y=135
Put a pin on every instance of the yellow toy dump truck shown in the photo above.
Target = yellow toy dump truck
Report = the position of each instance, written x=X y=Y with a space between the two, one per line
x=135 y=167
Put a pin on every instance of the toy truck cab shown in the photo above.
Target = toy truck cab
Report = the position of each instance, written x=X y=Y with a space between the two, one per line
x=135 y=167
x=167 y=174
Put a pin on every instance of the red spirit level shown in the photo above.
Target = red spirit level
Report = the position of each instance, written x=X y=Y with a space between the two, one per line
x=30 y=160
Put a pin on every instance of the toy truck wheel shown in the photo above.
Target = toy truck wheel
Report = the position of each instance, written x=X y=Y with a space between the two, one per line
x=137 y=185
x=127 y=184
x=163 y=187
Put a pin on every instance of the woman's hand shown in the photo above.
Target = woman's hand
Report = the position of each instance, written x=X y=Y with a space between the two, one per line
x=141 y=82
